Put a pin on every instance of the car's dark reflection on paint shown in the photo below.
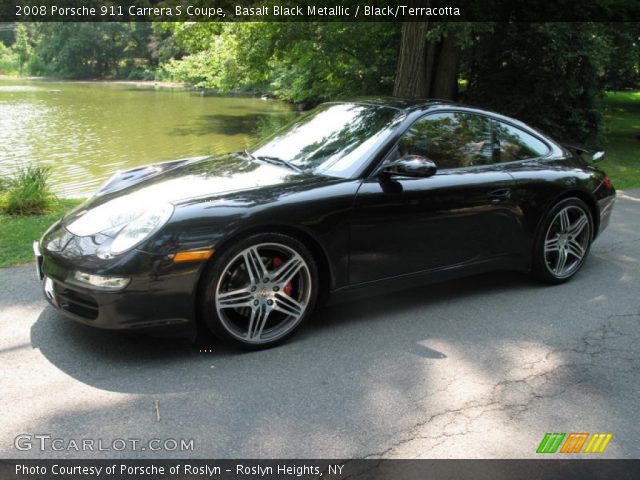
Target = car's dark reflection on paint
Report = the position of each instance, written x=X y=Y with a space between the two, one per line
x=353 y=197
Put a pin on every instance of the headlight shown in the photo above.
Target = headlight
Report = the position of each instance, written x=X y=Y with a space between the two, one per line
x=124 y=220
x=139 y=229
x=107 y=217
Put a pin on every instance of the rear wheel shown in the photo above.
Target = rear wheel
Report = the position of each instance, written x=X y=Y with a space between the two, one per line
x=563 y=242
x=258 y=292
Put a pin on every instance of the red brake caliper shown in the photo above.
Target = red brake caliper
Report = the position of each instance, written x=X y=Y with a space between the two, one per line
x=277 y=262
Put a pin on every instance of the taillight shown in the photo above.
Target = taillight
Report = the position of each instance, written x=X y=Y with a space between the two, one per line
x=606 y=181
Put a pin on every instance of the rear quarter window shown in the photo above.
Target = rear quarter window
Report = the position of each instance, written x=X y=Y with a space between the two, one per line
x=516 y=144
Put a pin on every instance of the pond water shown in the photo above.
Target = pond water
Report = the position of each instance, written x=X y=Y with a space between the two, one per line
x=85 y=131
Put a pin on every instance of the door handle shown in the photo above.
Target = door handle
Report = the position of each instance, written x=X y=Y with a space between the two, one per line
x=500 y=195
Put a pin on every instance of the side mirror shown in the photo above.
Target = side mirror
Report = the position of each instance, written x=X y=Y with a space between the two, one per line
x=597 y=157
x=411 y=166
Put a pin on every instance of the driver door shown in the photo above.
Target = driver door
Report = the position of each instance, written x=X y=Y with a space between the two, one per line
x=461 y=215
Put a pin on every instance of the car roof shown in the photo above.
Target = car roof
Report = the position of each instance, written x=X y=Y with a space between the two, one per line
x=408 y=105
x=399 y=103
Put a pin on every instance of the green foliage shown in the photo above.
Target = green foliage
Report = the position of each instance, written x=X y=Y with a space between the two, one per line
x=549 y=75
x=162 y=45
x=300 y=62
x=28 y=192
x=623 y=67
x=18 y=232
x=88 y=50
x=9 y=62
x=192 y=37
x=198 y=70
x=80 y=50
x=23 y=46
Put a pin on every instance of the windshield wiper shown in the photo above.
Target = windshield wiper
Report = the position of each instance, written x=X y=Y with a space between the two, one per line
x=277 y=161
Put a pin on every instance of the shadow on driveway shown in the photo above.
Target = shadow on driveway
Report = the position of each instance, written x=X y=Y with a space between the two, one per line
x=134 y=363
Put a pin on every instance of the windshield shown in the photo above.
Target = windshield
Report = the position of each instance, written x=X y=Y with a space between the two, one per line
x=333 y=139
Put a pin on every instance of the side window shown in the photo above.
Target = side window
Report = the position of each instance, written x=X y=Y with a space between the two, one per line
x=516 y=144
x=451 y=140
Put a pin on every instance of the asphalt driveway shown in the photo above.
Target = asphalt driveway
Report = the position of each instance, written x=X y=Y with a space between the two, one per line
x=481 y=367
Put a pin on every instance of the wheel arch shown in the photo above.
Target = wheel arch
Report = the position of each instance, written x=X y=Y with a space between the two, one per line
x=580 y=194
x=325 y=272
x=591 y=203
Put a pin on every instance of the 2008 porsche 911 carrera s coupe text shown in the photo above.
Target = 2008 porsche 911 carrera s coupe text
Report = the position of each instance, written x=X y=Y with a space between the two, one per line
x=352 y=197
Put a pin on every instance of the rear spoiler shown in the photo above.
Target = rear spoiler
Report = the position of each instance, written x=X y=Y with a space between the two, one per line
x=595 y=157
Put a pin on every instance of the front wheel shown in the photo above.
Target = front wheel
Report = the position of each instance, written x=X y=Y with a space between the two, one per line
x=563 y=241
x=258 y=292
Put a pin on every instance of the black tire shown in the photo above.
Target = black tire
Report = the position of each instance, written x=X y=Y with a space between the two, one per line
x=226 y=323
x=545 y=262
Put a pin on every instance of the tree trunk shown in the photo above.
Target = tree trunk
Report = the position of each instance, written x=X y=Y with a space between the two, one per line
x=411 y=78
x=445 y=77
x=433 y=49
x=426 y=69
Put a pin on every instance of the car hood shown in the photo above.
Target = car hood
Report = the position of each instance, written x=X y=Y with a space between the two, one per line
x=190 y=178
x=184 y=182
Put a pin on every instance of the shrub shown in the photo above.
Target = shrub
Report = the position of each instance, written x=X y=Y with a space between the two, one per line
x=28 y=192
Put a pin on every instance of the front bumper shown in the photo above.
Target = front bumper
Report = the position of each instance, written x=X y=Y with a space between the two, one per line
x=160 y=298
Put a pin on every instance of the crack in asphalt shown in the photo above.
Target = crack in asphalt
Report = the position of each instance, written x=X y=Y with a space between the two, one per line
x=593 y=345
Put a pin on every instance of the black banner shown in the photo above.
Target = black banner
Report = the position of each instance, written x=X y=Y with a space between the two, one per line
x=547 y=469
x=318 y=10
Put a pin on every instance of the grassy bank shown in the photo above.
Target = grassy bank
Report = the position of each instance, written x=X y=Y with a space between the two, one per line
x=622 y=133
x=18 y=232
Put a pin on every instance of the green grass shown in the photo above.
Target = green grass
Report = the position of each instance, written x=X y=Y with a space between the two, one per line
x=622 y=139
x=17 y=233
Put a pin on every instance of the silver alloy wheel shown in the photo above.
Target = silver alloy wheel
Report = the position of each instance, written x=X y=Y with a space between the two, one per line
x=567 y=241
x=263 y=293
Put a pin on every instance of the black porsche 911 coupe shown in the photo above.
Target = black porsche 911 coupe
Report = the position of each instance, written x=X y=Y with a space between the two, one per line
x=368 y=195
